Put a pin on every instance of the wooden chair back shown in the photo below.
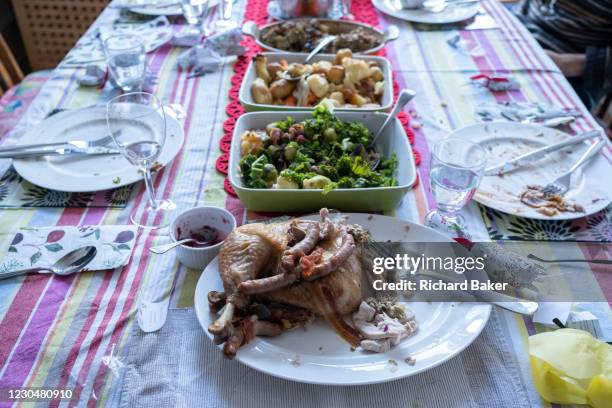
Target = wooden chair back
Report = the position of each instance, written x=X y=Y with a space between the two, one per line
x=10 y=72
x=50 y=28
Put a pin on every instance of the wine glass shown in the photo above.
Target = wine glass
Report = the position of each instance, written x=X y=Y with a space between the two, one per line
x=125 y=55
x=455 y=171
x=224 y=21
x=194 y=12
x=137 y=123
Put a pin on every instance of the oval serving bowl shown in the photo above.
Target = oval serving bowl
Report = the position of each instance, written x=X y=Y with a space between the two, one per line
x=393 y=140
x=246 y=97
x=337 y=27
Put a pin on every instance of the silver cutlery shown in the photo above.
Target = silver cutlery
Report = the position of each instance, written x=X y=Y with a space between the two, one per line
x=73 y=261
x=594 y=261
x=78 y=144
x=515 y=115
x=162 y=249
x=437 y=7
x=325 y=41
x=511 y=303
x=562 y=183
x=403 y=98
x=60 y=151
x=536 y=155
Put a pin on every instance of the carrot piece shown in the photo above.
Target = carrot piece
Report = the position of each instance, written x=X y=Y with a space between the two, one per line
x=290 y=101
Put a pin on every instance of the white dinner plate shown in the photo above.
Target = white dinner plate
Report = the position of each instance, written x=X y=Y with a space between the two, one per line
x=590 y=187
x=447 y=16
x=317 y=355
x=91 y=173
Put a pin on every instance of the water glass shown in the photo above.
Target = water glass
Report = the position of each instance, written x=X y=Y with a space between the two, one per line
x=125 y=55
x=194 y=12
x=456 y=168
x=137 y=123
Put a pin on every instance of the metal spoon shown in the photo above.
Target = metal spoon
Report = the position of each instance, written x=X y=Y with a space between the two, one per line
x=403 y=98
x=322 y=44
x=68 y=264
x=209 y=236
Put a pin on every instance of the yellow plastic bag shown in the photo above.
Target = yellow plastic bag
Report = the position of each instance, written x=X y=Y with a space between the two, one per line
x=569 y=366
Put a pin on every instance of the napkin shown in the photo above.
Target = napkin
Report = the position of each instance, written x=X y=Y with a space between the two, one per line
x=206 y=57
x=31 y=247
x=569 y=366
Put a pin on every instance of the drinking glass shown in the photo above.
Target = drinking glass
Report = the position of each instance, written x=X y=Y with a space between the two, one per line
x=138 y=125
x=224 y=21
x=456 y=169
x=194 y=12
x=125 y=55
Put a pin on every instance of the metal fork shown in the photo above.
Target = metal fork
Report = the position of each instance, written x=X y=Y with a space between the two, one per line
x=561 y=184
x=79 y=144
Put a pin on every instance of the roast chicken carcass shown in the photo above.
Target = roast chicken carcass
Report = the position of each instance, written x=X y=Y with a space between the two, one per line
x=278 y=275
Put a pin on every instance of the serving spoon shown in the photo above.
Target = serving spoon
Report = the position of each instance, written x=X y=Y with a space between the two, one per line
x=68 y=264
x=325 y=41
x=402 y=99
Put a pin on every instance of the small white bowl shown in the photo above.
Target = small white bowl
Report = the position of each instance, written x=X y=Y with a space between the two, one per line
x=192 y=220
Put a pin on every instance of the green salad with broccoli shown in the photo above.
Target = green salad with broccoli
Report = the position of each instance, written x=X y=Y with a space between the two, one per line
x=321 y=152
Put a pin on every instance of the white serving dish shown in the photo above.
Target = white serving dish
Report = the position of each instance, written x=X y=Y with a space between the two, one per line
x=393 y=140
x=246 y=98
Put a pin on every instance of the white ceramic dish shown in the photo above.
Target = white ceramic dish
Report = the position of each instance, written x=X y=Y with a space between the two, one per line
x=191 y=221
x=91 y=173
x=506 y=140
x=447 y=16
x=393 y=140
x=317 y=355
x=246 y=98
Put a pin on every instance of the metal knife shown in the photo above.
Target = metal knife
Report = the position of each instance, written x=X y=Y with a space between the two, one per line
x=537 y=154
x=62 y=151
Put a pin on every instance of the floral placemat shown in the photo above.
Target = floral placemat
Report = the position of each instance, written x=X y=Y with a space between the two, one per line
x=44 y=246
x=594 y=228
x=15 y=192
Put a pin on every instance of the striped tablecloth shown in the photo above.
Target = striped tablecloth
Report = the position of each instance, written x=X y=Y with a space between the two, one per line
x=56 y=332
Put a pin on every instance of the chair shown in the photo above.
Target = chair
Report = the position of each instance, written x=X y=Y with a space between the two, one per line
x=50 y=28
x=16 y=91
x=10 y=72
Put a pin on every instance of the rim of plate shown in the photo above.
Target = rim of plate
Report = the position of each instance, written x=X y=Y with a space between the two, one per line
x=24 y=166
x=416 y=16
x=536 y=216
x=483 y=309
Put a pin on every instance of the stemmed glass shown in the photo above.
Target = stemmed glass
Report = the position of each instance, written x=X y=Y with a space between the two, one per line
x=137 y=123
x=125 y=55
x=194 y=12
x=455 y=171
x=225 y=22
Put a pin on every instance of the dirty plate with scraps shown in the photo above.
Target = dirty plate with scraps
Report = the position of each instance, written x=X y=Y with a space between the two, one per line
x=504 y=141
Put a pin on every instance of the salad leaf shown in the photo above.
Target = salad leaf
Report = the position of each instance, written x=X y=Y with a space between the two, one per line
x=321 y=145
